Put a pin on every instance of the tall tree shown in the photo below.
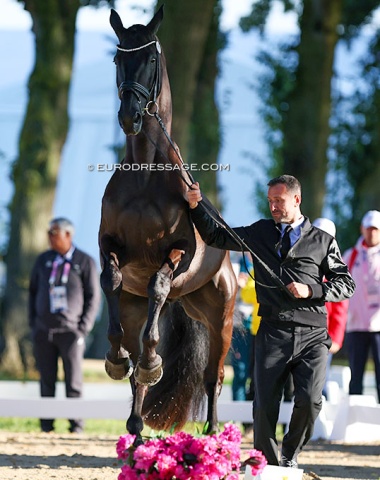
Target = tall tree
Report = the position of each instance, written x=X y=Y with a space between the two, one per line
x=184 y=36
x=356 y=147
x=204 y=141
x=306 y=122
x=35 y=171
x=303 y=106
x=303 y=102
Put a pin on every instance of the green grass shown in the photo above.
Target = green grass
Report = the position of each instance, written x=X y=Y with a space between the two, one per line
x=96 y=427
x=93 y=372
x=92 y=426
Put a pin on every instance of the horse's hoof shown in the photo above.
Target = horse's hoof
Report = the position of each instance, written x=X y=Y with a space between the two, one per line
x=119 y=371
x=150 y=377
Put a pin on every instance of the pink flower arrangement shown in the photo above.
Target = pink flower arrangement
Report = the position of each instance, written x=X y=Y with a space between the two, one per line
x=182 y=456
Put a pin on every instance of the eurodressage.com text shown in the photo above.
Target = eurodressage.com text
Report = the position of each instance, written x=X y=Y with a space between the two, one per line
x=159 y=167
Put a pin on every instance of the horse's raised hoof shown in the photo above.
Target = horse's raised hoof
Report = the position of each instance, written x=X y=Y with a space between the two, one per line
x=149 y=377
x=119 y=371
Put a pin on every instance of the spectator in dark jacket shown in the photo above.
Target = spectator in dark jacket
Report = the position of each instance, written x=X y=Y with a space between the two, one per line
x=292 y=337
x=64 y=297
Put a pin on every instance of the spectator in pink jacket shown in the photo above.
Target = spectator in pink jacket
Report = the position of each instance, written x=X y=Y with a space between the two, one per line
x=363 y=324
x=336 y=312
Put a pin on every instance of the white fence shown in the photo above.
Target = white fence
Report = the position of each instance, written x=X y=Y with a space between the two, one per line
x=346 y=418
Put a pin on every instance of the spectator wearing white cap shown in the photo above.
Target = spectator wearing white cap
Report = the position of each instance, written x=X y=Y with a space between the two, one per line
x=363 y=323
x=336 y=311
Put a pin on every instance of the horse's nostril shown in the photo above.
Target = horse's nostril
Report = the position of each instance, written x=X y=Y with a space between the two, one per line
x=137 y=118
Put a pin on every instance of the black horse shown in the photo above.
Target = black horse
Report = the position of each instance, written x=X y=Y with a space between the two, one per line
x=156 y=268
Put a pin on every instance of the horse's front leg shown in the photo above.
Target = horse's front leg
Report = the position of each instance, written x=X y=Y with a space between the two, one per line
x=149 y=367
x=117 y=364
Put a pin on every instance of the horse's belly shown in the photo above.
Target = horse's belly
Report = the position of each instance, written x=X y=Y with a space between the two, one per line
x=205 y=266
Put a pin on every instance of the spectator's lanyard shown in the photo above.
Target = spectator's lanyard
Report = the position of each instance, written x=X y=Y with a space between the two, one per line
x=54 y=271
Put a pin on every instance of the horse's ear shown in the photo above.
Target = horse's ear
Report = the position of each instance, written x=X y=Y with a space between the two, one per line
x=155 y=23
x=116 y=23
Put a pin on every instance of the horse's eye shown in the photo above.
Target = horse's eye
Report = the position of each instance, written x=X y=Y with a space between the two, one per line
x=153 y=60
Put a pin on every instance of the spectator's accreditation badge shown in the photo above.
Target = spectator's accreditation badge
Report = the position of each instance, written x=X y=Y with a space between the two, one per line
x=58 y=299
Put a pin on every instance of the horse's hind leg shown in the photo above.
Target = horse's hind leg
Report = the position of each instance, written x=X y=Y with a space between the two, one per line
x=117 y=363
x=149 y=367
x=133 y=313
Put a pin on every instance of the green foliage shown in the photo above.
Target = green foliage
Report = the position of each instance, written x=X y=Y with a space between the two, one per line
x=258 y=16
x=97 y=3
x=356 y=15
x=259 y=13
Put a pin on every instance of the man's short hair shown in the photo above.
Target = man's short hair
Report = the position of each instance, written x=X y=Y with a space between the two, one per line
x=291 y=183
x=63 y=224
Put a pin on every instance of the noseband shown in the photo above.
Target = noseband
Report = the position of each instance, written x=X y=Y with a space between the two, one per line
x=137 y=88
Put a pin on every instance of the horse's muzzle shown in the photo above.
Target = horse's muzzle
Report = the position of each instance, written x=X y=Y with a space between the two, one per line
x=130 y=125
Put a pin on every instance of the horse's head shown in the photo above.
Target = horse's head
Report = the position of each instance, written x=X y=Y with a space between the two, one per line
x=138 y=70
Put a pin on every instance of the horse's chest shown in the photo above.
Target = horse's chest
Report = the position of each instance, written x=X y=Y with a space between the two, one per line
x=153 y=222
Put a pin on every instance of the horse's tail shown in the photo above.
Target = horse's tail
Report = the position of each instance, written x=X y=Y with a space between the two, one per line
x=179 y=395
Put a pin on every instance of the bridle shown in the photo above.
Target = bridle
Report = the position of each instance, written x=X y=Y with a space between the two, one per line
x=138 y=89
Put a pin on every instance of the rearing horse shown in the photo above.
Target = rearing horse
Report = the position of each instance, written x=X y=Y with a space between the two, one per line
x=155 y=267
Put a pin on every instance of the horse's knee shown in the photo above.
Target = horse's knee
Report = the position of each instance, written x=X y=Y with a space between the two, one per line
x=110 y=278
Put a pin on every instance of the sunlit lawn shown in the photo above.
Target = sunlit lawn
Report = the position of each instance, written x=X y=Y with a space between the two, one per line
x=92 y=426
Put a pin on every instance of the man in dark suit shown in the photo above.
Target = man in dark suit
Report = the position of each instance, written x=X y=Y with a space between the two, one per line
x=64 y=297
x=292 y=337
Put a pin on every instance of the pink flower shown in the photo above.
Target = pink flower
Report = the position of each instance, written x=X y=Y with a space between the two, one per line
x=166 y=464
x=231 y=433
x=257 y=461
x=184 y=457
x=123 y=445
x=127 y=473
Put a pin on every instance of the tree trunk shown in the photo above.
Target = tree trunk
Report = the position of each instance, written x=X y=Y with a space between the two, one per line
x=35 y=170
x=204 y=142
x=306 y=127
x=184 y=34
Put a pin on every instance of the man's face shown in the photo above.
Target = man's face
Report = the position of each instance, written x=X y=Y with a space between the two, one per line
x=284 y=205
x=371 y=236
x=59 y=240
